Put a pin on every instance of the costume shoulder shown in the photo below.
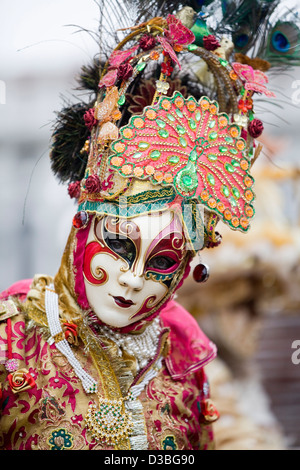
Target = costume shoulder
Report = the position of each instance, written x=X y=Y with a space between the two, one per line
x=190 y=349
x=18 y=289
x=10 y=298
x=11 y=315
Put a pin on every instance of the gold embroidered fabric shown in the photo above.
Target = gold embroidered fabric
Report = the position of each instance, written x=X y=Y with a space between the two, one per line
x=50 y=416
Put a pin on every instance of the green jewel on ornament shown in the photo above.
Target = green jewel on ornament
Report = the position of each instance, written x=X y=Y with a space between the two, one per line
x=192 y=124
x=170 y=117
x=173 y=160
x=137 y=155
x=160 y=123
x=155 y=154
x=223 y=62
x=144 y=145
x=163 y=133
x=225 y=190
x=192 y=47
x=198 y=116
x=229 y=168
x=211 y=157
x=182 y=141
x=211 y=179
x=194 y=155
x=186 y=180
x=180 y=130
x=235 y=192
x=233 y=202
x=213 y=135
x=141 y=66
x=121 y=100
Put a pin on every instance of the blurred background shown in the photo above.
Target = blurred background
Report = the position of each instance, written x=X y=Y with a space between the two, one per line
x=250 y=307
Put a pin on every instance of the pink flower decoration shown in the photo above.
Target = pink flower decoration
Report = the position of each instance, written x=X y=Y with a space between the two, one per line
x=109 y=78
x=93 y=184
x=169 y=49
x=176 y=33
x=147 y=42
x=210 y=42
x=125 y=71
x=89 y=119
x=116 y=59
x=11 y=365
x=108 y=183
x=255 y=80
x=74 y=190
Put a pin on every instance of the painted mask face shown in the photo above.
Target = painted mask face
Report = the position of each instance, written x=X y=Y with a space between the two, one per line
x=129 y=265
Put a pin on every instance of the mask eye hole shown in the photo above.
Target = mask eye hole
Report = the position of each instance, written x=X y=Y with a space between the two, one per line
x=122 y=246
x=161 y=263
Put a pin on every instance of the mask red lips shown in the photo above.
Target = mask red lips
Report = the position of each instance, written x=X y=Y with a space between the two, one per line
x=124 y=303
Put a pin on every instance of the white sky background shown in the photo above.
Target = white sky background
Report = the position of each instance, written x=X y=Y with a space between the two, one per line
x=34 y=35
x=39 y=57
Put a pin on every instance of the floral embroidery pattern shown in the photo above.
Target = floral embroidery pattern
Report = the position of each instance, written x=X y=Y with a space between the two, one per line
x=169 y=443
x=174 y=411
x=60 y=440
x=50 y=415
x=20 y=381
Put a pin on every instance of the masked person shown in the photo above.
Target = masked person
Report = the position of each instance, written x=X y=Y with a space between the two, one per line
x=101 y=356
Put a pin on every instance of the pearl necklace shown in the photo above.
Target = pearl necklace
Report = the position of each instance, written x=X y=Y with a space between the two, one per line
x=57 y=336
x=142 y=346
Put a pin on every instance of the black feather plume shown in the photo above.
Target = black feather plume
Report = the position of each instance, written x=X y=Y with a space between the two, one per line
x=89 y=77
x=68 y=162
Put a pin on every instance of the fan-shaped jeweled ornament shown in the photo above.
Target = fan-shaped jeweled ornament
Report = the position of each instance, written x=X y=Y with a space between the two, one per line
x=189 y=145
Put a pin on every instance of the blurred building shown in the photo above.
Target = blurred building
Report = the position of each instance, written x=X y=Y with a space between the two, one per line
x=39 y=59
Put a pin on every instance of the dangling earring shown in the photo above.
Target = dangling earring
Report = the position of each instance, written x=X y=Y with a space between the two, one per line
x=201 y=272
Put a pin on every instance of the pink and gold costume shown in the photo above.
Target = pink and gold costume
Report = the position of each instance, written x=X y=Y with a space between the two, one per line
x=101 y=356
x=50 y=414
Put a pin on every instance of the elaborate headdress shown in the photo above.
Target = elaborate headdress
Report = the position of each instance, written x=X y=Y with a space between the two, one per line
x=171 y=122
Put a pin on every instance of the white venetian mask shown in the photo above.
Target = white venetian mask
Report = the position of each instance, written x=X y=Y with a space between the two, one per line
x=129 y=265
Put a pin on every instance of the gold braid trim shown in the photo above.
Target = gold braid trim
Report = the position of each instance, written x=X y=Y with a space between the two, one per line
x=35 y=302
x=64 y=282
x=107 y=375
